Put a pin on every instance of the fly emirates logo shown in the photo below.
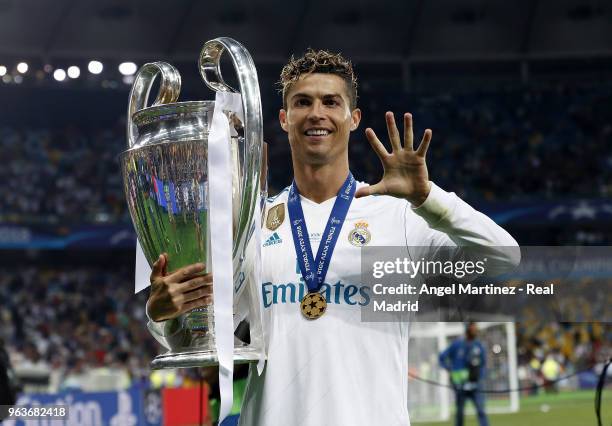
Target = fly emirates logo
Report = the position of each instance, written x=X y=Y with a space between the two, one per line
x=349 y=294
x=337 y=293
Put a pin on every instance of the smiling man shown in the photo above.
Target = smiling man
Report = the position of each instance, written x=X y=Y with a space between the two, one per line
x=324 y=365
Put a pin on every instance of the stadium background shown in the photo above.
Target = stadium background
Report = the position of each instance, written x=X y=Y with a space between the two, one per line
x=518 y=95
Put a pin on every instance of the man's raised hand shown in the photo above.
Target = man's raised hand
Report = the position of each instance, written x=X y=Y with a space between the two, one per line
x=405 y=170
x=179 y=292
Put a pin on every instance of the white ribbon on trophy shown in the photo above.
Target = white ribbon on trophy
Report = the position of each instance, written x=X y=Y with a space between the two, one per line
x=221 y=229
x=143 y=270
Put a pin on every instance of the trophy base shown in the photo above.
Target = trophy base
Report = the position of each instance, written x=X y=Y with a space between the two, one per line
x=205 y=358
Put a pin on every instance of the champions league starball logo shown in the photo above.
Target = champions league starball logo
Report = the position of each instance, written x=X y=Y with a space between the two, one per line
x=313 y=305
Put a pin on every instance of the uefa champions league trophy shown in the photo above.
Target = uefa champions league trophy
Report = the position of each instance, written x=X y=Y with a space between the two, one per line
x=166 y=182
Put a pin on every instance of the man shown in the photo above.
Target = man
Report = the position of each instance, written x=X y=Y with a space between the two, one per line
x=9 y=386
x=465 y=359
x=324 y=366
x=551 y=371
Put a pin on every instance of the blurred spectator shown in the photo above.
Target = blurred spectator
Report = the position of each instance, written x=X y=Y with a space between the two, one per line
x=8 y=380
x=551 y=371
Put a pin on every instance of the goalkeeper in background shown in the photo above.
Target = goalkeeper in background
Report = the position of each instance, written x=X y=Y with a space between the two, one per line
x=465 y=359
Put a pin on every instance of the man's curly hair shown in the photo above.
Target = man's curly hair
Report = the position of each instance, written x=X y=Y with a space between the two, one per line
x=318 y=61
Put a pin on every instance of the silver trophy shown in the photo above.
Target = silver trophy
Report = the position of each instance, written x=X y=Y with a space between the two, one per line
x=165 y=176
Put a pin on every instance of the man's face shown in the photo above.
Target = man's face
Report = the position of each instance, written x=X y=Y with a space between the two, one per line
x=472 y=331
x=318 y=118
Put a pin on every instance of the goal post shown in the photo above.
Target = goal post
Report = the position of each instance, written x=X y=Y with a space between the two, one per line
x=430 y=397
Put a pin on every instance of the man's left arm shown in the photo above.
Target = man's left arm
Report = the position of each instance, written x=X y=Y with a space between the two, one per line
x=458 y=223
x=452 y=221
x=483 y=361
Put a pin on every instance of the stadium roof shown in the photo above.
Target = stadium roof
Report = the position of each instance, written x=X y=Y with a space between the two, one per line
x=381 y=30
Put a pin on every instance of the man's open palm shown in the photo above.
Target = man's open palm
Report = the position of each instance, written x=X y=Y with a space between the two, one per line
x=405 y=170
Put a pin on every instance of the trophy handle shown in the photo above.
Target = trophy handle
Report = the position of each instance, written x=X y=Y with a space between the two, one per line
x=210 y=71
x=169 y=89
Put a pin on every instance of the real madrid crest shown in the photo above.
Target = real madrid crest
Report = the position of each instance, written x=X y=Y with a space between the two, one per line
x=360 y=236
x=276 y=216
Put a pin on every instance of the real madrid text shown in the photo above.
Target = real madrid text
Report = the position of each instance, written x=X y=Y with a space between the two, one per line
x=453 y=289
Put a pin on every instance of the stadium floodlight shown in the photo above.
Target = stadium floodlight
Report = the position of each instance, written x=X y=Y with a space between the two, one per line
x=59 y=74
x=74 y=71
x=22 y=67
x=95 y=67
x=2 y=70
x=127 y=68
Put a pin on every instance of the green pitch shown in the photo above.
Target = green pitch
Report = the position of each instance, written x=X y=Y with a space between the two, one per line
x=563 y=409
x=178 y=237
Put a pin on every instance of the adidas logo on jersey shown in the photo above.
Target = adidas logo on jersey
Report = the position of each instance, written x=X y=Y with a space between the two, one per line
x=273 y=239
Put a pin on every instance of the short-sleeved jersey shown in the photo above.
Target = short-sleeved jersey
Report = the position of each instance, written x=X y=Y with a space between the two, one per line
x=338 y=370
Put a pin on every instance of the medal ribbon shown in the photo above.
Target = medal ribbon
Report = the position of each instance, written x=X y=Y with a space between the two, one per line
x=314 y=277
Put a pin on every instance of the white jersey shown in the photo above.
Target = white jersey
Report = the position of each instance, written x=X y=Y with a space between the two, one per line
x=338 y=370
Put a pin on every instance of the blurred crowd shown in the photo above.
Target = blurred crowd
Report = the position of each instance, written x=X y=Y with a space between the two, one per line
x=551 y=351
x=67 y=322
x=536 y=143
x=515 y=144
x=77 y=325
x=523 y=143
x=60 y=175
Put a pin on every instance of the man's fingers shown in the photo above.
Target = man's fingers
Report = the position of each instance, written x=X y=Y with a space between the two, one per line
x=394 y=137
x=424 y=145
x=364 y=191
x=197 y=303
x=198 y=293
x=187 y=272
x=158 y=267
x=408 y=133
x=377 y=145
x=197 y=282
x=165 y=264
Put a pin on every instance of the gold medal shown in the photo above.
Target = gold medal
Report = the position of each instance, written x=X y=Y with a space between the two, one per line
x=313 y=305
